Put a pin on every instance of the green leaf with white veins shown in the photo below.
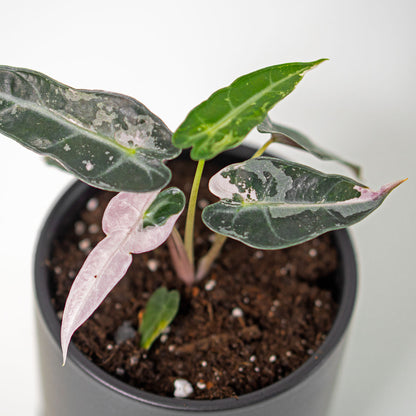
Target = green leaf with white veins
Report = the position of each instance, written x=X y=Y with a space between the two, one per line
x=291 y=137
x=108 y=140
x=224 y=119
x=270 y=203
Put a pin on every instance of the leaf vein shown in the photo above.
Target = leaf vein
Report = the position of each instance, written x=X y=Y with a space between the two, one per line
x=239 y=109
x=37 y=92
x=6 y=110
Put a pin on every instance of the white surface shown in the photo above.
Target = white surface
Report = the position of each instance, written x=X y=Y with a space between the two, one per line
x=171 y=55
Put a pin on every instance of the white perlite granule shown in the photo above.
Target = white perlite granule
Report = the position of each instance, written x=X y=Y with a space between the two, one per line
x=79 y=227
x=92 y=204
x=313 y=252
x=237 y=312
x=183 y=388
x=152 y=265
x=85 y=244
x=210 y=285
x=93 y=228
x=201 y=385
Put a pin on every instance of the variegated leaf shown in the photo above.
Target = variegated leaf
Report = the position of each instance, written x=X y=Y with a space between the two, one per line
x=167 y=203
x=108 y=140
x=109 y=260
x=269 y=203
x=291 y=137
x=227 y=116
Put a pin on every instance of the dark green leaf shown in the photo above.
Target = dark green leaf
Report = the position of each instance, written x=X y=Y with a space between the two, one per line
x=291 y=137
x=161 y=308
x=269 y=203
x=108 y=140
x=225 y=119
x=168 y=202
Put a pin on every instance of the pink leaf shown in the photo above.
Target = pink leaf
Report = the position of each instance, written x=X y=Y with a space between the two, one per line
x=110 y=259
x=102 y=270
x=126 y=210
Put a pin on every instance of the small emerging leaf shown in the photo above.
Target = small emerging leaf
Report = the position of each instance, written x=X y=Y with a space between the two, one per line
x=227 y=116
x=168 y=202
x=108 y=140
x=270 y=203
x=291 y=137
x=110 y=259
x=160 y=310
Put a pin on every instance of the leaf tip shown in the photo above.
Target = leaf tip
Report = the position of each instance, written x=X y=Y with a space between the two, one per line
x=64 y=344
x=389 y=187
x=367 y=194
x=386 y=189
x=319 y=61
x=64 y=349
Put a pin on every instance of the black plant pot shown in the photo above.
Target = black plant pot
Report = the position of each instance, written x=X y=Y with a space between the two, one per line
x=82 y=388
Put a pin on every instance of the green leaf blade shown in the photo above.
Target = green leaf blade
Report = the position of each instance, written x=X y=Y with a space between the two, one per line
x=292 y=137
x=108 y=140
x=269 y=203
x=167 y=203
x=224 y=119
x=161 y=309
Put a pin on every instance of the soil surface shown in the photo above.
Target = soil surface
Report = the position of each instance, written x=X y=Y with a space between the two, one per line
x=252 y=321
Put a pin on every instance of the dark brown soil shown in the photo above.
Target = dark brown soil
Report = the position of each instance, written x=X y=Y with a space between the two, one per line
x=286 y=299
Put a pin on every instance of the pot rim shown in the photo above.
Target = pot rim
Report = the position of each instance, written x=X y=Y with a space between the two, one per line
x=348 y=270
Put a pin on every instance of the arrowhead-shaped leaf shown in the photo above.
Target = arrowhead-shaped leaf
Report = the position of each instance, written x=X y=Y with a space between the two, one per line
x=110 y=259
x=269 y=203
x=108 y=140
x=225 y=119
x=160 y=310
x=291 y=137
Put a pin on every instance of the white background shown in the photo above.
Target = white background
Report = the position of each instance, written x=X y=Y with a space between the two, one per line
x=171 y=55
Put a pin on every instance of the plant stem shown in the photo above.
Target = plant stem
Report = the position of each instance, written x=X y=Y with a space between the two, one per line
x=190 y=216
x=206 y=262
x=184 y=269
x=263 y=148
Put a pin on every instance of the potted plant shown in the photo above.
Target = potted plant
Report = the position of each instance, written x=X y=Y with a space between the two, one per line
x=114 y=143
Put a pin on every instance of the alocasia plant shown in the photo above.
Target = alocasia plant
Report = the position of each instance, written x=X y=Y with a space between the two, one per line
x=113 y=142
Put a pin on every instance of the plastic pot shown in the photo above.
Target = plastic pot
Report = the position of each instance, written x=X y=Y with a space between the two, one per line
x=82 y=388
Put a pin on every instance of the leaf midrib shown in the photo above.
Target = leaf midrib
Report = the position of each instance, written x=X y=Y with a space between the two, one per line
x=49 y=113
x=315 y=205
